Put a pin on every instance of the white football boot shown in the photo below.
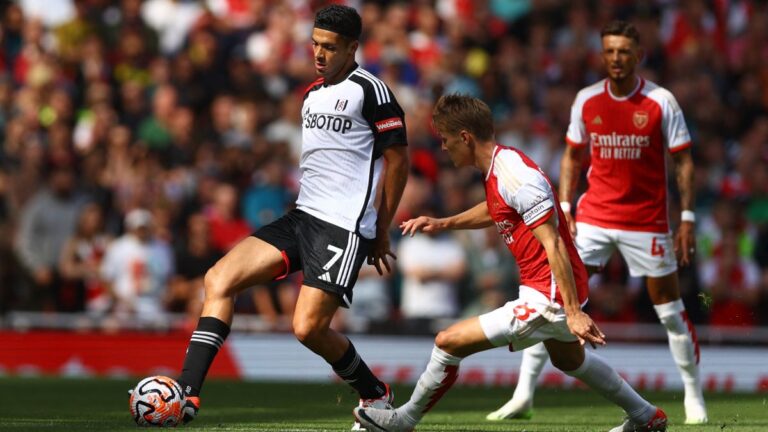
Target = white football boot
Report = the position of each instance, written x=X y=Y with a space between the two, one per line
x=384 y=402
x=383 y=420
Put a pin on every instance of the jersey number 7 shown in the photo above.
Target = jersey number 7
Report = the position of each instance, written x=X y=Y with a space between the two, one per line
x=337 y=254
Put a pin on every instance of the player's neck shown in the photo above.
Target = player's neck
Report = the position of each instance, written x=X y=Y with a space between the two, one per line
x=484 y=156
x=342 y=75
x=623 y=87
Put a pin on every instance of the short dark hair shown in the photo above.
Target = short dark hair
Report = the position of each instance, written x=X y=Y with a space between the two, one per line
x=455 y=112
x=621 y=28
x=343 y=20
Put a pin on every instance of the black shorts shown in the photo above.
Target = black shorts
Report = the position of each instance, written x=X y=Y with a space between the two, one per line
x=330 y=256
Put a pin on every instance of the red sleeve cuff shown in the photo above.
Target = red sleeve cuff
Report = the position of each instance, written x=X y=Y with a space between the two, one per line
x=574 y=143
x=681 y=147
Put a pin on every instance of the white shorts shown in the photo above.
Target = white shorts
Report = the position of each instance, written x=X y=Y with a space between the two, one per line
x=646 y=254
x=524 y=322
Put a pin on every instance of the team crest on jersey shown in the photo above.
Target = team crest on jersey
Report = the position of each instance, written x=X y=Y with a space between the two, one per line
x=341 y=104
x=640 y=119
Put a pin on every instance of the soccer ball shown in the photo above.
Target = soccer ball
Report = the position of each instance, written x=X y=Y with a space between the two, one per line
x=157 y=401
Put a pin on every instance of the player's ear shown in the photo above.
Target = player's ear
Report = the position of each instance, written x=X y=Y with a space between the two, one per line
x=352 y=46
x=640 y=53
x=465 y=136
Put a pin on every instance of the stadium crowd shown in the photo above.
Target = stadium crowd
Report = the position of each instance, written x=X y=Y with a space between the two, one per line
x=140 y=140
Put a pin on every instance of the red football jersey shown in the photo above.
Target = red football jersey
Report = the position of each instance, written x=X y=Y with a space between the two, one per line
x=520 y=198
x=628 y=136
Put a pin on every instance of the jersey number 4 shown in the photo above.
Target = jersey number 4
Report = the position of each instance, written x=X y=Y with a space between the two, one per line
x=656 y=248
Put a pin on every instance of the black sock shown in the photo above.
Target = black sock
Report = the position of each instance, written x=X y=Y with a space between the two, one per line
x=352 y=369
x=203 y=346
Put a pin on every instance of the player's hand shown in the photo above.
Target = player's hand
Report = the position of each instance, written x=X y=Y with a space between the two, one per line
x=422 y=223
x=582 y=326
x=43 y=276
x=380 y=252
x=685 y=243
x=571 y=223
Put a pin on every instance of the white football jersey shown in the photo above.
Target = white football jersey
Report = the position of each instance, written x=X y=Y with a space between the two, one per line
x=345 y=129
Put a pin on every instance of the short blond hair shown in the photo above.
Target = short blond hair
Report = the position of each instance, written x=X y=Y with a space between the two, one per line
x=455 y=112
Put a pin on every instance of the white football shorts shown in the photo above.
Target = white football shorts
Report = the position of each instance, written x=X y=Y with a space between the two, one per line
x=524 y=322
x=646 y=253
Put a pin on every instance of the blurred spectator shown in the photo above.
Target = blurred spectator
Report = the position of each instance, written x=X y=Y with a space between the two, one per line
x=223 y=215
x=287 y=127
x=267 y=198
x=221 y=126
x=80 y=262
x=71 y=34
x=194 y=255
x=154 y=132
x=432 y=266
x=47 y=221
x=493 y=278
x=51 y=13
x=732 y=281
x=137 y=268
x=127 y=14
x=8 y=262
x=133 y=104
x=613 y=294
x=274 y=302
x=172 y=20
x=373 y=299
x=726 y=217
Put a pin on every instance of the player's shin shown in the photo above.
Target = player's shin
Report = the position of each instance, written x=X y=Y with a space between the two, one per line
x=440 y=374
x=685 y=351
x=602 y=378
x=204 y=344
x=521 y=404
x=682 y=339
x=534 y=359
x=353 y=370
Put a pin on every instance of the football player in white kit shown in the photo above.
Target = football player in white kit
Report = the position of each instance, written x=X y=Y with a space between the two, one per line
x=354 y=140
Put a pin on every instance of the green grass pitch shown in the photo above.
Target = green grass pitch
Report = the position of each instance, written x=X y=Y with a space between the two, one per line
x=102 y=405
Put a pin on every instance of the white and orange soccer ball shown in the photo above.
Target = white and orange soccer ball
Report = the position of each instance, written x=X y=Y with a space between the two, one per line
x=157 y=401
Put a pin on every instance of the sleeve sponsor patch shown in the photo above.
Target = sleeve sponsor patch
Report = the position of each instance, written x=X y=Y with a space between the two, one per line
x=389 y=124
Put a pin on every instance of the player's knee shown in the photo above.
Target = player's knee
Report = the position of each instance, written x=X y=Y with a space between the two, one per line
x=215 y=285
x=566 y=357
x=305 y=331
x=447 y=341
x=566 y=364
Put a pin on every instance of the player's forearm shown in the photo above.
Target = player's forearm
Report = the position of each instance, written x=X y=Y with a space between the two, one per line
x=684 y=174
x=395 y=177
x=570 y=168
x=559 y=262
x=474 y=218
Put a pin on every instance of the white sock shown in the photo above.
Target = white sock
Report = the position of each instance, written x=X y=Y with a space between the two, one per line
x=601 y=377
x=440 y=374
x=682 y=344
x=534 y=359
